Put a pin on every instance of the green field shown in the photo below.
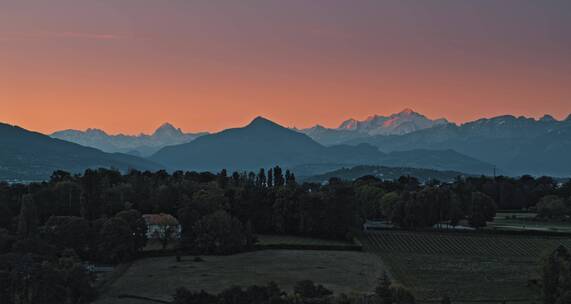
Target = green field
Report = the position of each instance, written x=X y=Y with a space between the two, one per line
x=158 y=278
x=516 y=221
x=466 y=267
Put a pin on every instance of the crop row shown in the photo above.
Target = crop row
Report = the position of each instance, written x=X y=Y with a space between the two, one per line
x=460 y=244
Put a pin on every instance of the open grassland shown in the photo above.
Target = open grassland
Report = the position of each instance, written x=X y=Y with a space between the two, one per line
x=527 y=221
x=158 y=278
x=463 y=266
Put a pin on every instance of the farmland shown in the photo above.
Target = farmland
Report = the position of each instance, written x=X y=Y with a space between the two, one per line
x=527 y=221
x=158 y=278
x=462 y=266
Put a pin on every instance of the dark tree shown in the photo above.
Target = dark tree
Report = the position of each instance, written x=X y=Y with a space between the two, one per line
x=138 y=227
x=68 y=232
x=220 y=233
x=5 y=216
x=28 y=218
x=278 y=177
x=222 y=179
x=556 y=275
x=483 y=209
x=270 y=178
x=261 y=179
x=308 y=289
x=116 y=241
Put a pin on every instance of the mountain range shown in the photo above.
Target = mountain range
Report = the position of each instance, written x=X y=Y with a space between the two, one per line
x=516 y=145
x=404 y=122
x=27 y=155
x=506 y=145
x=139 y=145
x=263 y=143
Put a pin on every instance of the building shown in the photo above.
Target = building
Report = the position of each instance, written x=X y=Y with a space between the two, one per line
x=377 y=224
x=159 y=224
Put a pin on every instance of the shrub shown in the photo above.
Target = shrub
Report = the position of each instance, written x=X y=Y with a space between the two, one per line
x=308 y=289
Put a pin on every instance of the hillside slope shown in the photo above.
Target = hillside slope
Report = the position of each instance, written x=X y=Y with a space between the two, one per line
x=27 y=155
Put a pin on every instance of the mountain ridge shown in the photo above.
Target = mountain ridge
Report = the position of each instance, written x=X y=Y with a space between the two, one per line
x=392 y=124
x=403 y=122
x=139 y=145
x=518 y=145
x=28 y=155
x=263 y=143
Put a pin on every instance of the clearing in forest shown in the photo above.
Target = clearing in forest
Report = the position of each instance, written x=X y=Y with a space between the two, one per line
x=158 y=278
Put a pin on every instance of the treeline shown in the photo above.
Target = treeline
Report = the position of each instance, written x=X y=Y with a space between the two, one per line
x=303 y=292
x=49 y=229
x=473 y=200
x=556 y=275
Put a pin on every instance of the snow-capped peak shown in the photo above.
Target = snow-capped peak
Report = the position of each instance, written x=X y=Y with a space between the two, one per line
x=407 y=111
x=349 y=124
x=403 y=122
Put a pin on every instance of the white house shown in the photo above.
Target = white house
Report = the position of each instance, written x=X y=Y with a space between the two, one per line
x=159 y=224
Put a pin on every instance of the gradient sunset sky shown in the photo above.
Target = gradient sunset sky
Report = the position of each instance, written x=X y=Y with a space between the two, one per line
x=129 y=65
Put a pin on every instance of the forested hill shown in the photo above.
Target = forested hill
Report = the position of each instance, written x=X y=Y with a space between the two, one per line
x=388 y=173
x=26 y=155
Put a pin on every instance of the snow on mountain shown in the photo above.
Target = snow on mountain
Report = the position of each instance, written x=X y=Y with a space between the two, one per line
x=404 y=122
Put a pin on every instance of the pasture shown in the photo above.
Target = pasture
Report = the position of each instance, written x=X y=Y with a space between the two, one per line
x=527 y=221
x=478 y=267
x=158 y=278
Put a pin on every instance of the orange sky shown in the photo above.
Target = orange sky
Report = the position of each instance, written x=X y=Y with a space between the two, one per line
x=128 y=66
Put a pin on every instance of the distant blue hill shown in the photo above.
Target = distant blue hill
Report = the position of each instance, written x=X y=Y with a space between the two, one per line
x=139 y=145
x=26 y=155
x=517 y=145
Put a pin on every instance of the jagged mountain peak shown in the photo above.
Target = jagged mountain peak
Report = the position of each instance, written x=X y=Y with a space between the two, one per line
x=349 y=124
x=95 y=131
x=407 y=112
x=142 y=144
x=166 y=125
x=261 y=121
x=167 y=128
x=403 y=122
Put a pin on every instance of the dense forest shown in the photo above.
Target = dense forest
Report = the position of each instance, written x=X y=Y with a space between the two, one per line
x=50 y=230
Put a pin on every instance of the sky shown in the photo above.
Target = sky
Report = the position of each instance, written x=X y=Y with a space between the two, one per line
x=127 y=66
